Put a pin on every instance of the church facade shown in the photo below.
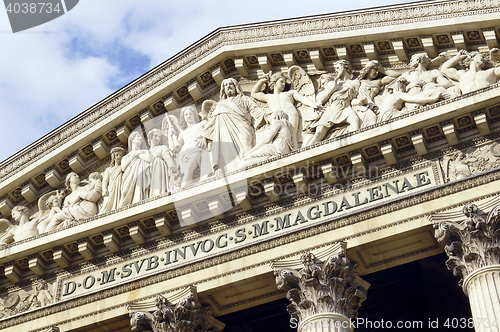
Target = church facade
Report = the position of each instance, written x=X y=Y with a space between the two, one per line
x=337 y=172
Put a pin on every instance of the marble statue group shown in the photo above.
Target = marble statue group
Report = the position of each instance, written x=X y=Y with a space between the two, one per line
x=283 y=112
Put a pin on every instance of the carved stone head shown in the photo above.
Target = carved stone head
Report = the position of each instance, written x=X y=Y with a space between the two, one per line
x=275 y=81
x=323 y=80
x=189 y=115
x=136 y=141
x=18 y=211
x=53 y=201
x=419 y=58
x=470 y=210
x=342 y=68
x=71 y=178
x=117 y=154
x=371 y=70
x=230 y=88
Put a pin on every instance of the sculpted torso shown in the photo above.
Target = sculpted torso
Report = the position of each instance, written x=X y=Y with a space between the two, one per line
x=283 y=101
x=25 y=231
x=427 y=76
x=474 y=80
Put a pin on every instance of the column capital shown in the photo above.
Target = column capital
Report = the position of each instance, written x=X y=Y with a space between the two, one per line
x=181 y=312
x=324 y=283
x=471 y=238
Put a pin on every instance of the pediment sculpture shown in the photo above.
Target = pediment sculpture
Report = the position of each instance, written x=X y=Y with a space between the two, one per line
x=281 y=113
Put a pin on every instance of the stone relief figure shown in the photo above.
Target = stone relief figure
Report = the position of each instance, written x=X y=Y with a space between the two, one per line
x=336 y=95
x=161 y=166
x=458 y=167
x=112 y=181
x=278 y=140
x=171 y=130
x=81 y=203
x=48 y=205
x=474 y=77
x=475 y=160
x=26 y=227
x=6 y=232
x=23 y=300
x=395 y=98
x=230 y=129
x=421 y=79
x=136 y=170
x=191 y=145
x=280 y=99
x=364 y=104
x=40 y=297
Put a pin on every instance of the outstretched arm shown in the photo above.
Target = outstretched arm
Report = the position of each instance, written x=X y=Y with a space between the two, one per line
x=256 y=91
x=304 y=100
x=448 y=67
x=422 y=100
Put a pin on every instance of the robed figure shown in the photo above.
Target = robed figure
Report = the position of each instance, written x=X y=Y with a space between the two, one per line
x=229 y=129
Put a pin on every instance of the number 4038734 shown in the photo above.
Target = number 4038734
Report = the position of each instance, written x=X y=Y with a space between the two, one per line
x=32 y=8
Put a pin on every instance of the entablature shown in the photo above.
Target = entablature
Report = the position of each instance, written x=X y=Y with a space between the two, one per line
x=248 y=51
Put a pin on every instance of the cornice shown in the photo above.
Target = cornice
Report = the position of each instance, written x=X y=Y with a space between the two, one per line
x=275 y=30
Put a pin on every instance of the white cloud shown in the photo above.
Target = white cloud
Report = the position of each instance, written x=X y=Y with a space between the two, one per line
x=53 y=72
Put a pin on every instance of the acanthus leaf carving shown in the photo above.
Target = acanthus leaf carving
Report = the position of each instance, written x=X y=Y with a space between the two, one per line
x=473 y=243
x=328 y=286
x=187 y=314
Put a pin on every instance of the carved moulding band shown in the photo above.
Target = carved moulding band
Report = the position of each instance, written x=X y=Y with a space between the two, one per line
x=477 y=273
x=468 y=183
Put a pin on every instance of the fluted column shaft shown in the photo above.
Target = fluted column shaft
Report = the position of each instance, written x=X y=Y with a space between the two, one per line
x=326 y=322
x=483 y=289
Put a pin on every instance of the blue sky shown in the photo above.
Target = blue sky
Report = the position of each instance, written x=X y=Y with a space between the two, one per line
x=53 y=72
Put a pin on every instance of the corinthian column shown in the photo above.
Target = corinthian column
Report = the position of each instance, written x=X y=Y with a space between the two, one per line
x=473 y=249
x=325 y=290
x=182 y=312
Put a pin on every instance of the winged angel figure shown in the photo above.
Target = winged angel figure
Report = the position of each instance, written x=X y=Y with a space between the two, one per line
x=279 y=99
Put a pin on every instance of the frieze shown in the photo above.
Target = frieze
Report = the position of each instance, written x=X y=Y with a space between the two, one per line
x=185 y=150
x=475 y=159
x=38 y=295
x=225 y=36
x=300 y=216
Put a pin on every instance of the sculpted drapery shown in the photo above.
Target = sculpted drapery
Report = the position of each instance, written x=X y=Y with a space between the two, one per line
x=230 y=127
x=112 y=181
x=136 y=171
